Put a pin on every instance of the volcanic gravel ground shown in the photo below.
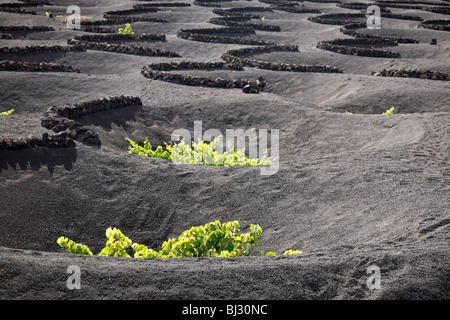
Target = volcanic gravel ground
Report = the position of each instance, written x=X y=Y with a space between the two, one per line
x=351 y=191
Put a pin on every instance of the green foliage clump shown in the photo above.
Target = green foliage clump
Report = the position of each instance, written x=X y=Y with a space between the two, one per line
x=389 y=111
x=200 y=153
x=116 y=245
x=73 y=247
x=214 y=239
x=273 y=254
x=126 y=30
x=289 y=252
x=7 y=113
x=268 y=254
x=211 y=240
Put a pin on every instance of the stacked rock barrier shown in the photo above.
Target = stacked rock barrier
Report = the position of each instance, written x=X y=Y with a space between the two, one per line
x=401 y=17
x=350 y=31
x=237 y=56
x=25 y=28
x=6 y=36
x=21 y=29
x=161 y=4
x=361 y=6
x=114 y=14
x=235 y=18
x=396 y=4
x=256 y=26
x=95 y=29
x=206 y=1
x=290 y=3
x=32 y=141
x=17 y=10
x=43 y=49
x=123 y=16
x=386 y=13
x=66 y=130
x=124 y=37
x=420 y=74
x=227 y=13
x=325 y=1
x=116 y=19
x=441 y=25
x=6 y=65
x=206 y=4
x=158 y=71
x=345 y=46
x=441 y=10
x=248 y=9
x=356 y=45
x=433 y=3
x=20 y=4
x=193 y=65
x=60 y=119
x=121 y=48
x=436 y=7
x=293 y=9
x=209 y=3
x=337 y=18
x=37 y=2
x=210 y=35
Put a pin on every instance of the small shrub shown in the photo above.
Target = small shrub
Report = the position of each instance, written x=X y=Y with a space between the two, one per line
x=73 y=247
x=214 y=239
x=268 y=254
x=126 y=30
x=200 y=153
x=7 y=113
x=116 y=245
x=211 y=240
x=273 y=254
x=289 y=252
x=389 y=111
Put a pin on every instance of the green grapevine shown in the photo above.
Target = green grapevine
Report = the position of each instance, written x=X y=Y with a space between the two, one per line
x=126 y=30
x=214 y=239
x=289 y=252
x=116 y=245
x=7 y=113
x=389 y=111
x=272 y=254
x=73 y=247
x=200 y=153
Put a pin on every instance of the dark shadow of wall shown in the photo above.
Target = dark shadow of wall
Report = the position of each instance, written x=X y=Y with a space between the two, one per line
x=35 y=158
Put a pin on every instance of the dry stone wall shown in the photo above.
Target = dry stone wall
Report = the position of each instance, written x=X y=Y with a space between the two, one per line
x=122 y=48
x=210 y=35
x=419 y=74
x=441 y=25
x=158 y=71
x=6 y=65
x=238 y=56
x=61 y=119
x=65 y=129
